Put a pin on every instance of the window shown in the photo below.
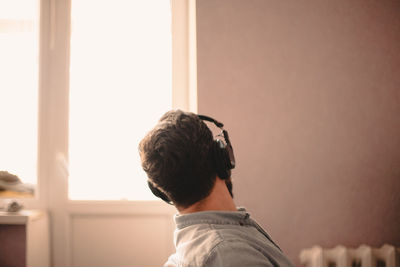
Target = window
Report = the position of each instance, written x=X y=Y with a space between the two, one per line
x=80 y=82
x=102 y=73
x=19 y=88
x=120 y=84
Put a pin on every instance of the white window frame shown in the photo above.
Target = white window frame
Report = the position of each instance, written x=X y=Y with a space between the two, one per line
x=52 y=183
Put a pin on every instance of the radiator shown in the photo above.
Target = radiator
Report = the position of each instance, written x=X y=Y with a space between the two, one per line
x=340 y=256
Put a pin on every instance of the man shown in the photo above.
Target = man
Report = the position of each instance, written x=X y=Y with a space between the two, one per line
x=186 y=167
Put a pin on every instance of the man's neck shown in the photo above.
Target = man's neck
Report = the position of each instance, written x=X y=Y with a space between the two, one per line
x=219 y=199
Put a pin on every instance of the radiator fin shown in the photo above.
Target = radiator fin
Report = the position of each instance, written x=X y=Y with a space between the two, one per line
x=341 y=256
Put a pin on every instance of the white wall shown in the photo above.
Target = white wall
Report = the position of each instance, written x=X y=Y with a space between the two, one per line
x=121 y=240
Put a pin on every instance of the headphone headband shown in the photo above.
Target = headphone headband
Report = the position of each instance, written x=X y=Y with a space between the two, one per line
x=206 y=118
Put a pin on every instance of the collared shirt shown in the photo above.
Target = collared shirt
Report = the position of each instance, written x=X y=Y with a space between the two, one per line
x=223 y=238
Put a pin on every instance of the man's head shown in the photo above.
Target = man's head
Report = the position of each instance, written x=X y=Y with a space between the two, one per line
x=178 y=155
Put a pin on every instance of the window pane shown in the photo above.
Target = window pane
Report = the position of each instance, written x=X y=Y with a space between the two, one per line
x=19 y=89
x=120 y=84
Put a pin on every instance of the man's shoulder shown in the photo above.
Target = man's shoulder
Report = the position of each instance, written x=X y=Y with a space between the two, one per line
x=225 y=245
x=215 y=248
x=209 y=236
x=204 y=245
x=194 y=244
x=236 y=252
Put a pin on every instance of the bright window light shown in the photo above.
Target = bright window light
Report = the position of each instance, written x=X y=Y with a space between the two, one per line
x=120 y=85
x=19 y=88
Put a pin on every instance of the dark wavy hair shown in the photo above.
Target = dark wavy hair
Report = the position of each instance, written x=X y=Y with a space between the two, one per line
x=177 y=157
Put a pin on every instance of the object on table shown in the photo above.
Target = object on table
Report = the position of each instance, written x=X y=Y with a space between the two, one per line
x=11 y=182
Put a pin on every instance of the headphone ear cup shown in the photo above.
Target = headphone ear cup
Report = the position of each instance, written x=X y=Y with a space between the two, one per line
x=221 y=160
x=158 y=193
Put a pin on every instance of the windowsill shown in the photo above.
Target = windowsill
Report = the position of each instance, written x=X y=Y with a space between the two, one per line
x=98 y=207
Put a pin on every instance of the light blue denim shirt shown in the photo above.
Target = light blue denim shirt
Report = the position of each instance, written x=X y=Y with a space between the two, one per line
x=223 y=238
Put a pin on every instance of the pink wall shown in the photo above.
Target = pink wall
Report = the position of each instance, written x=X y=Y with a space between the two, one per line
x=310 y=94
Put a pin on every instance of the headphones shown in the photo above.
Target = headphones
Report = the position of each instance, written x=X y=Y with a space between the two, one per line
x=223 y=151
x=223 y=157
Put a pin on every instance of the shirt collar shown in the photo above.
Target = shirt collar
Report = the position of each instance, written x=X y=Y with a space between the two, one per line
x=214 y=217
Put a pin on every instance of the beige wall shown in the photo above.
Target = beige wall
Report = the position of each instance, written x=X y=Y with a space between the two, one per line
x=310 y=94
